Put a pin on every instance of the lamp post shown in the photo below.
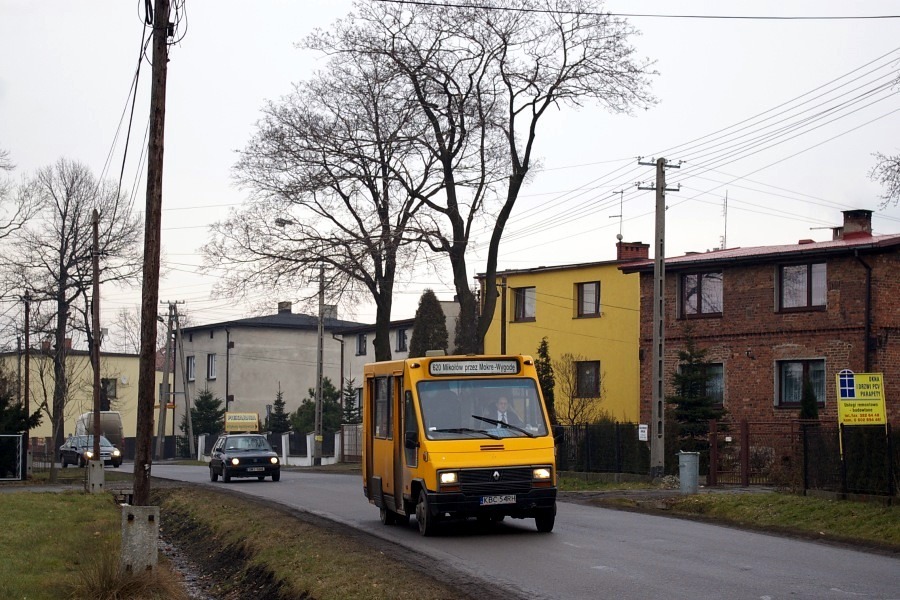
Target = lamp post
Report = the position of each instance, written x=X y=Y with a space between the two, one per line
x=320 y=347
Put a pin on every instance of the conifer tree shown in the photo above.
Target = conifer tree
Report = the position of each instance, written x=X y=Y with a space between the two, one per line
x=351 y=414
x=429 y=328
x=303 y=420
x=207 y=415
x=809 y=405
x=279 y=421
x=544 y=367
x=693 y=407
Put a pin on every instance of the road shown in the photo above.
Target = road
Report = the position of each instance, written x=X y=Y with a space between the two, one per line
x=596 y=552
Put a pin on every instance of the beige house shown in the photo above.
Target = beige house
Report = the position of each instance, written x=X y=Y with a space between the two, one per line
x=246 y=361
x=118 y=378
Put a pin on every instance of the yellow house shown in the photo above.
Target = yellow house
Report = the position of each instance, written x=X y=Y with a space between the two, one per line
x=590 y=315
x=118 y=379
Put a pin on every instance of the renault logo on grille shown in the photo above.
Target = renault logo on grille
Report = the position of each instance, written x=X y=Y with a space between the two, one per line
x=496 y=475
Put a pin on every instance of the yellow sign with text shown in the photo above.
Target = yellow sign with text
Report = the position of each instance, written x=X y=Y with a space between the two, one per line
x=861 y=398
x=241 y=422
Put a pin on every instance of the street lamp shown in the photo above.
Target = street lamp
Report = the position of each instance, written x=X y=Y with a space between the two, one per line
x=317 y=433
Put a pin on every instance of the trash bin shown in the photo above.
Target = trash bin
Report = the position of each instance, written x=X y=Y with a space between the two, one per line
x=688 y=471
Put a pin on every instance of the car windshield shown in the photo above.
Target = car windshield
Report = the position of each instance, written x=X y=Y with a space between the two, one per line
x=247 y=442
x=468 y=408
x=88 y=440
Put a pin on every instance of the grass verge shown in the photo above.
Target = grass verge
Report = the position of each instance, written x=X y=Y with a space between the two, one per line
x=59 y=545
x=868 y=525
x=279 y=554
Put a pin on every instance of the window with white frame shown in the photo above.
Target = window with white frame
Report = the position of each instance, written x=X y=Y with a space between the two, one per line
x=588 y=299
x=701 y=294
x=190 y=366
x=802 y=287
x=361 y=344
x=587 y=378
x=792 y=374
x=524 y=300
x=210 y=366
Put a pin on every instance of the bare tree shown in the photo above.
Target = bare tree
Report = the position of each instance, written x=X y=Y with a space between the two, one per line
x=16 y=208
x=482 y=78
x=336 y=176
x=53 y=257
x=581 y=400
x=887 y=172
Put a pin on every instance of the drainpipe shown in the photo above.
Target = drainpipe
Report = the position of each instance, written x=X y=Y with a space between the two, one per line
x=340 y=340
x=868 y=324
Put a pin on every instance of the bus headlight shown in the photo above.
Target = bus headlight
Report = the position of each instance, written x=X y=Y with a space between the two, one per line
x=541 y=473
x=448 y=478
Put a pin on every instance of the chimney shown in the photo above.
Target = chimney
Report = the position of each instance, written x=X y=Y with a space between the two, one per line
x=857 y=223
x=329 y=311
x=632 y=251
x=284 y=307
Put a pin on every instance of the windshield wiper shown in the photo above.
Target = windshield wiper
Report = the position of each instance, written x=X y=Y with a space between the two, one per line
x=467 y=430
x=502 y=424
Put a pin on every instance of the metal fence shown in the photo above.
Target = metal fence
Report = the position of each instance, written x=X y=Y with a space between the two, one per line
x=351 y=442
x=805 y=455
x=606 y=447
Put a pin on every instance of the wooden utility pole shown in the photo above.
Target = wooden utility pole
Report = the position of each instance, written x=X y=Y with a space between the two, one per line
x=152 y=225
x=26 y=385
x=657 y=407
x=317 y=447
x=95 y=334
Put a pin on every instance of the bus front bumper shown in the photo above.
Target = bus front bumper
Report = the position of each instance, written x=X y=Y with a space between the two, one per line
x=459 y=504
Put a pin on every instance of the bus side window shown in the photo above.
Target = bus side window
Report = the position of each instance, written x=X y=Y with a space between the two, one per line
x=411 y=431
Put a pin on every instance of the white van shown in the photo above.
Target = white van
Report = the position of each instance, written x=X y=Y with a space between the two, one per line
x=110 y=426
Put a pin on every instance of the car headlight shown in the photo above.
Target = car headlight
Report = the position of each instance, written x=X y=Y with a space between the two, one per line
x=274 y=460
x=89 y=454
x=448 y=478
x=235 y=461
x=541 y=473
x=116 y=453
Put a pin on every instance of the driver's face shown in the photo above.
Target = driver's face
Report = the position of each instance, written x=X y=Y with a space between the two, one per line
x=502 y=404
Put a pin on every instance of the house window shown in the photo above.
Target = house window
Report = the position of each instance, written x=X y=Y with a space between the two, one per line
x=524 y=299
x=714 y=384
x=107 y=393
x=401 y=340
x=361 y=344
x=587 y=378
x=191 y=367
x=792 y=374
x=802 y=286
x=210 y=366
x=701 y=294
x=589 y=299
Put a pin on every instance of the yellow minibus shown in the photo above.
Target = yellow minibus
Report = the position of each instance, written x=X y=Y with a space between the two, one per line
x=453 y=437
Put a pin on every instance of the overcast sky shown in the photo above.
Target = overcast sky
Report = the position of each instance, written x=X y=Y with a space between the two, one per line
x=781 y=115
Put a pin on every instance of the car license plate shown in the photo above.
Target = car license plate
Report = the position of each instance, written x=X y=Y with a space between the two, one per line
x=256 y=468
x=492 y=500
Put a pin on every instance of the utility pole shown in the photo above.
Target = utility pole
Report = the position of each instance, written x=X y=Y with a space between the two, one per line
x=152 y=225
x=164 y=394
x=26 y=388
x=179 y=340
x=317 y=451
x=95 y=334
x=657 y=407
x=621 y=194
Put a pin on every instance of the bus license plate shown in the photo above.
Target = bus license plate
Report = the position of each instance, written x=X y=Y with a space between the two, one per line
x=256 y=468
x=492 y=500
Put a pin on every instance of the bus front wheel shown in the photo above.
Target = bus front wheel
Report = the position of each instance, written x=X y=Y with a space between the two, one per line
x=545 y=520
x=427 y=521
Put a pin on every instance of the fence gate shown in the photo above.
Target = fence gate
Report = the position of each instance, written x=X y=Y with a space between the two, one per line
x=351 y=442
x=11 y=448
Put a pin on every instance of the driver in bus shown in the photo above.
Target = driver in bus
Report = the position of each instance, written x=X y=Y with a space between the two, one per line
x=504 y=413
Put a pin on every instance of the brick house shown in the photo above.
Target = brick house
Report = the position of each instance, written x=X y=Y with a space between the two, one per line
x=769 y=317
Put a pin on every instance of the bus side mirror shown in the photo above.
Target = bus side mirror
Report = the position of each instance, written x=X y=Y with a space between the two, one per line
x=412 y=439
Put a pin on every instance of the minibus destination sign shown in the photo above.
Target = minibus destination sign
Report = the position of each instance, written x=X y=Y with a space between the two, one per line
x=473 y=367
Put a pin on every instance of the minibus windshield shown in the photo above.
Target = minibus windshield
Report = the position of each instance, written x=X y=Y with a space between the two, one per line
x=481 y=408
